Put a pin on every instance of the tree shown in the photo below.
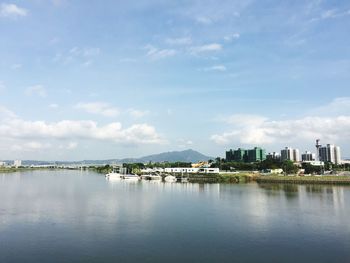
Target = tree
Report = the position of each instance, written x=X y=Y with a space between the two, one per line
x=289 y=167
x=311 y=169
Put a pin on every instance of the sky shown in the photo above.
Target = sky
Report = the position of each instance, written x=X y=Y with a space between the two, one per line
x=114 y=79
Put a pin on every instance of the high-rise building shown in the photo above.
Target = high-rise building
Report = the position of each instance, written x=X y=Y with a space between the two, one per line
x=17 y=163
x=256 y=155
x=330 y=153
x=273 y=156
x=241 y=155
x=290 y=154
x=308 y=157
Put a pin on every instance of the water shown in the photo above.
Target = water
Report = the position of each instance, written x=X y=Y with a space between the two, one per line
x=73 y=216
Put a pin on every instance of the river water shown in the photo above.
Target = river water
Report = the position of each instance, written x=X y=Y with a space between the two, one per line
x=74 y=216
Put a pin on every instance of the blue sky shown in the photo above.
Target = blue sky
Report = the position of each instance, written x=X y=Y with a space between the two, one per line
x=115 y=79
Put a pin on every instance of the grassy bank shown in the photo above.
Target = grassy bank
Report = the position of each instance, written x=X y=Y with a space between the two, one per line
x=222 y=178
x=19 y=169
x=344 y=180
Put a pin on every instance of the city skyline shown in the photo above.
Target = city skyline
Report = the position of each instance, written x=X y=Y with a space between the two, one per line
x=114 y=80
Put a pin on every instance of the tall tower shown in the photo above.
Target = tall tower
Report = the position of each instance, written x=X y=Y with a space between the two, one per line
x=318 y=146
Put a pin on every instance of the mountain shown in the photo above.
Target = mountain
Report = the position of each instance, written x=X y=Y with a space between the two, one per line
x=175 y=156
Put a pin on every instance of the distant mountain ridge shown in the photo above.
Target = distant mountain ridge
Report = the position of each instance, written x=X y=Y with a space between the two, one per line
x=173 y=156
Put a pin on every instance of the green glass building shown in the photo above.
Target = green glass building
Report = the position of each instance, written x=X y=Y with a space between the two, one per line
x=249 y=156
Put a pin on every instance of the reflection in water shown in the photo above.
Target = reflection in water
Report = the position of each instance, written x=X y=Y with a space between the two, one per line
x=334 y=195
x=84 y=217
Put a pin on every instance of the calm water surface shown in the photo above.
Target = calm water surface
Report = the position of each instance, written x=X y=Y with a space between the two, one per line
x=73 y=216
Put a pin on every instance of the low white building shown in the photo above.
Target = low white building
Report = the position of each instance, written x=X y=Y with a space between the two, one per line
x=181 y=170
x=275 y=171
x=192 y=170
x=152 y=170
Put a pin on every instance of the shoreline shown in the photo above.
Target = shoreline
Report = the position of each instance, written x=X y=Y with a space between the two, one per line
x=235 y=178
x=331 y=180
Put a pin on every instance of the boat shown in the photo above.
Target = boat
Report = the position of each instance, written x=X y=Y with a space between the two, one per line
x=184 y=180
x=170 y=179
x=154 y=177
x=131 y=177
x=113 y=175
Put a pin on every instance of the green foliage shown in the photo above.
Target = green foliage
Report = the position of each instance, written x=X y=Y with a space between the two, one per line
x=289 y=167
x=311 y=169
x=102 y=169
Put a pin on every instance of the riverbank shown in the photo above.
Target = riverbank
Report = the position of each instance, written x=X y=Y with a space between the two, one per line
x=339 y=180
x=22 y=169
x=13 y=169
x=222 y=178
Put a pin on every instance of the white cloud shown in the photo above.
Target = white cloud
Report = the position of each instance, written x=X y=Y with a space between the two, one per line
x=137 y=113
x=12 y=10
x=155 y=53
x=84 y=56
x=204 y=20
x=206 y=48
x=38 y=90
x=329 y=14
x=243 y=119
x=216 y=68
x=85 y=52
x=5 y=113
x=58 y=2
x=258 y=130
x=179 y=41
x=53 y=106
x=183 y=143
x=72 y=145
x=16 y=66
x=232 y=37
x=100 y=108
x=2 y=86
x=339 y=106
x=127 y=60
x=330 y=123
x=30 y=146
x=87 y=63
x=68 y=129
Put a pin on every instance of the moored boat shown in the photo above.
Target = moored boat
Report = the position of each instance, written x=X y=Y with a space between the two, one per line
x=130 y=177
x=170 y=179
x=155 y=177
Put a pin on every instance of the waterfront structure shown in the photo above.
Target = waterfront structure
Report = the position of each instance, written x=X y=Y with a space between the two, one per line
x=330 y=153
x=274 y=171
x=290 y=154
x=308 y=157
x=241 y=155
x=192 y=170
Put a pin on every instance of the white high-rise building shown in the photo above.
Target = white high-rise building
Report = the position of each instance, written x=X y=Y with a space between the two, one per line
x=330 y=153
x=290 y=154
x=17 y=163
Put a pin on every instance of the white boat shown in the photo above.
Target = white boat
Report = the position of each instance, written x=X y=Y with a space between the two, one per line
x=155 y=177
x=170 y=179
x=113 y=175
x=145 y=177
x=184 y=180
x=131 y=177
